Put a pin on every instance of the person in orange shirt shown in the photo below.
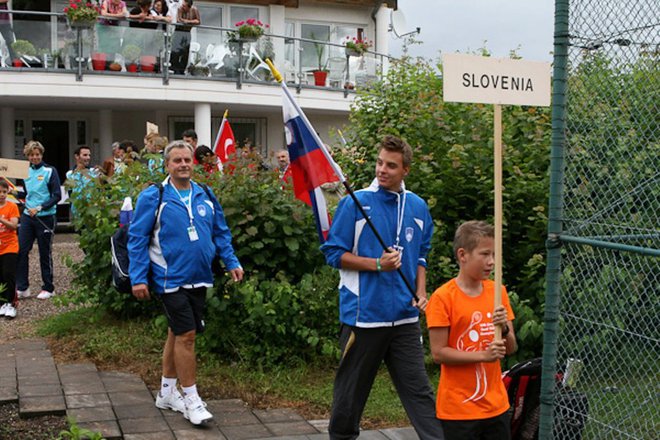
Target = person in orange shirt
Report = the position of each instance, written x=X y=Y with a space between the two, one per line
x=8 y=250
x=472 y=402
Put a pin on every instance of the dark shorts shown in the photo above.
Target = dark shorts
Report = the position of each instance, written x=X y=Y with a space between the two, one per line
x=494 y=428
x=185 y=309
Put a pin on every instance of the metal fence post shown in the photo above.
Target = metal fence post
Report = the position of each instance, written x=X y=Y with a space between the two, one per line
x=551 y=318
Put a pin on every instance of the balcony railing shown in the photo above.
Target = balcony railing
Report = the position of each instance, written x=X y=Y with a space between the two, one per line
x=119 y=47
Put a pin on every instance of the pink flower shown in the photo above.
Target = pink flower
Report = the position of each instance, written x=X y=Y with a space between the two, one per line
x=240 y=23
x=251 y=21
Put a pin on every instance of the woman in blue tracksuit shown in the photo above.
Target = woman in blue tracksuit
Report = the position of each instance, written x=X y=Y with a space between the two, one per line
x=379 y=317
x=42 y=193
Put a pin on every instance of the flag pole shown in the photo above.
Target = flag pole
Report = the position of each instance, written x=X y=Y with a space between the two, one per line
x=338 y=172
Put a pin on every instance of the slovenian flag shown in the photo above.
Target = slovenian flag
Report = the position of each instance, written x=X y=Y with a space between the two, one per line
x=311 y=163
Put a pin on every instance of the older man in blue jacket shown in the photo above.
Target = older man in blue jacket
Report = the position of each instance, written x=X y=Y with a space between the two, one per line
x=171 y=248
x=379 y=317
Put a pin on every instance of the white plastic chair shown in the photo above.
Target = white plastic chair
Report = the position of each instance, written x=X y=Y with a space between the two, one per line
x=215 y=55
x=194 y=51
x=336 y=71
x=259 y=64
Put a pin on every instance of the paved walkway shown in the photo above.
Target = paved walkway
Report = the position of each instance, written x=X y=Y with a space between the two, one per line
x=120 y=406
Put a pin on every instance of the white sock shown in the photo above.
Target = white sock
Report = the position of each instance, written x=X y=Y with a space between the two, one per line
x=167 y=385
x=190 y=392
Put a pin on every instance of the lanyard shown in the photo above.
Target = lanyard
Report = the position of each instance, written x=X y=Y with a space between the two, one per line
x=187 y=205
x=400 y=214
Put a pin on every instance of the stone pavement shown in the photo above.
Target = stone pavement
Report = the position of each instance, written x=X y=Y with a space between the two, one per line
x=120 y=406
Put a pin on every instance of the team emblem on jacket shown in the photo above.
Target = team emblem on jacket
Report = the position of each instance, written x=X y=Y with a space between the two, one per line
x=201 y=210
x=409 y=234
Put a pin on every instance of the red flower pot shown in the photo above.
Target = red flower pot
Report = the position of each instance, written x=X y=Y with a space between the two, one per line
x=98 y=61
x=320 y=77
x=147 y=63
x=132 y=67
x=17 y=62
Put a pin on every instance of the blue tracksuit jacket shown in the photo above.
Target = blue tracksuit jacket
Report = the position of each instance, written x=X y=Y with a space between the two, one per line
x=174 y=260
x=42 y=188
x=378 y=299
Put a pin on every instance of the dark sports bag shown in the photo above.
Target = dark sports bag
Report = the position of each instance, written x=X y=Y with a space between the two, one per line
x=119 y=250
x=523 y=385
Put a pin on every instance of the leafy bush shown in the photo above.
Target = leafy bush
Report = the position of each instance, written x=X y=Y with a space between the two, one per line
x=273 y=321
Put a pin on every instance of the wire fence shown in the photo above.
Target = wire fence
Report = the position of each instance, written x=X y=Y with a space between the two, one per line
x=605 y=234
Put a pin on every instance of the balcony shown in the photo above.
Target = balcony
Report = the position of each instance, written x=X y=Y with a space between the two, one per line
x=119 y=50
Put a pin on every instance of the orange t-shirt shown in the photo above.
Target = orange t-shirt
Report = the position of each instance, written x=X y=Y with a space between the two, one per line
x=469 y=391
x=8 y=237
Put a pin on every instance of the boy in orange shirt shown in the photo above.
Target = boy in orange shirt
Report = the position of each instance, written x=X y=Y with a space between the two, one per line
x=8 y=250
x=472 y=402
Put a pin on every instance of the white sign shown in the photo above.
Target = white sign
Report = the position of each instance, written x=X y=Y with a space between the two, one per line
x=471 y=78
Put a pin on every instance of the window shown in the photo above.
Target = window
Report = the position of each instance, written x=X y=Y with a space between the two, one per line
x=309 y=52
x=242 y=13
x=211 y=15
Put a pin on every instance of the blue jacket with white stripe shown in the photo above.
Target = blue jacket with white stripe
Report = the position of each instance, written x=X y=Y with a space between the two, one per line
x=370 y=298
x=176 y=261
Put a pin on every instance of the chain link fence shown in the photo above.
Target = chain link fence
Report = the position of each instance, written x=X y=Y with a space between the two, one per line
x=605 y=334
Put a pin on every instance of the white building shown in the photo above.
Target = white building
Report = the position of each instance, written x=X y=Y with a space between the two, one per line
x=54 y=102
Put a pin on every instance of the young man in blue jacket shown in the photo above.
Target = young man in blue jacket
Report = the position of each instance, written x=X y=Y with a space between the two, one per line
x=171 y=248
x=379 y=317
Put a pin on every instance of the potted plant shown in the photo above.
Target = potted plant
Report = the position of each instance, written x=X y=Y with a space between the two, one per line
x=320 y=74
x=197 y=69
x=81 y=14
x=22 y=48
x=356 y=47
x=248 y=30
x=131 y=54
x=147 y=63
x=99 y=60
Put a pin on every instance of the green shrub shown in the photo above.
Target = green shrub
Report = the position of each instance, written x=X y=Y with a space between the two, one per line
x=272 y=321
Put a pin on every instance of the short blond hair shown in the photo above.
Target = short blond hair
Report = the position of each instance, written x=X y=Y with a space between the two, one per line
x=33 y=145
x=177 y=144
x=469 y=233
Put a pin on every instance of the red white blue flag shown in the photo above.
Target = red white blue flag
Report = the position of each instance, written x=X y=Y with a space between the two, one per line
x=311 y=164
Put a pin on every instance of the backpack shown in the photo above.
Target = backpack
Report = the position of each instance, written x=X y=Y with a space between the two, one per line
x=121 y=280
x=523 y=385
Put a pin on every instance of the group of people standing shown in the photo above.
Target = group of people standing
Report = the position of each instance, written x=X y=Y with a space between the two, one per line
x=178 y=228
x=149 y=15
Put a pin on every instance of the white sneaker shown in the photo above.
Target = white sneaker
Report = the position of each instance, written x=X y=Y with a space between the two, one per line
x=3 y=309
x=10 y=311
x=44 y=294
x=173 y=401
x=24 y=293
x=196 y=411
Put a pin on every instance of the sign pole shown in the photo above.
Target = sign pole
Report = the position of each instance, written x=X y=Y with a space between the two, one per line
x=497 y=138
x=486 y=80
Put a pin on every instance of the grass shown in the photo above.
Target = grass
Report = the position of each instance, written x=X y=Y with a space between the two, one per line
x=88 y=334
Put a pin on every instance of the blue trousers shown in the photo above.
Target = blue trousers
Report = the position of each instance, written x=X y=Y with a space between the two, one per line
x=42 y=229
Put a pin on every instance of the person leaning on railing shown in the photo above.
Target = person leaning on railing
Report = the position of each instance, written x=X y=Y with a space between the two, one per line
x=5 y=27
x=187 y=16
x=110 y=34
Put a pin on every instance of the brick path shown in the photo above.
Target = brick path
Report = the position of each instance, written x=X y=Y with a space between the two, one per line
x=120 y=406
